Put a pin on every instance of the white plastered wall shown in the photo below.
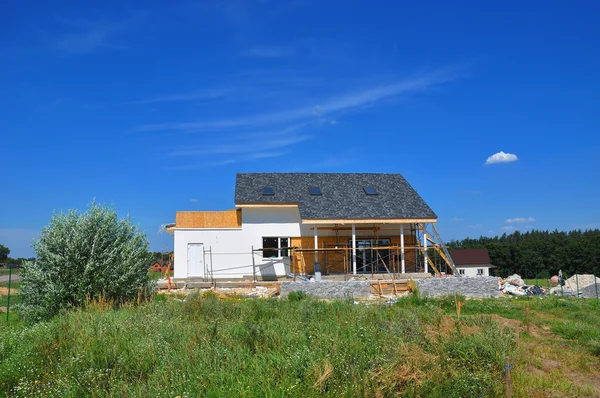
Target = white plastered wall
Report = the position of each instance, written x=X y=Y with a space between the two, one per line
x=232 y=247
x=472 y=271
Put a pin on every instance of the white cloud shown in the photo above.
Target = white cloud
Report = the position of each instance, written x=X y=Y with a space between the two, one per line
x=225 y=162
x=456 y=219
x=90 y=36
x=247 y=144
x=519 y=219
x=508 y=228
x=475 y=226
x=193 y=200
x=501 y=157
x=317 y=111
x=194 y=96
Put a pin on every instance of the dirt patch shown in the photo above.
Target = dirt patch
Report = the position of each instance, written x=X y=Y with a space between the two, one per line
x=539 y=332
x=4 y=291
x=592 y=380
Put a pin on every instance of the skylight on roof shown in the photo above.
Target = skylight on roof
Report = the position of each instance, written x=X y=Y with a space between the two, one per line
x=268 y=191
x=370 y=191
x=315 y=191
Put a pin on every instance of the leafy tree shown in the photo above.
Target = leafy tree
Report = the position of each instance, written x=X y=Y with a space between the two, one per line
x=4 y=252
x=540 y=252
x=83 y=256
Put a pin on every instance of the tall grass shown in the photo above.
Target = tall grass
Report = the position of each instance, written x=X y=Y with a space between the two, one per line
x=205 y=346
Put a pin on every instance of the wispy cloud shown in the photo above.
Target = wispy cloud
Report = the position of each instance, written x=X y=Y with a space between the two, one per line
x=193 y=200
x=227 y=161
x=457 y=219
x=89 y=36
x=193 y=96
x=508 y=228
x=270 y=52
x=519 y=220
x=340 y=103
x=501 y=157
x=476 y=226
x=247 y=143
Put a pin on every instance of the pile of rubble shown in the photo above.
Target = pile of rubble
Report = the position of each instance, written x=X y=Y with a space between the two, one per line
x=581 y=285
x=515 y=285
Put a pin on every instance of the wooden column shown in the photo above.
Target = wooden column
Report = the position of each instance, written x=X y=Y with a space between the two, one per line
x=425 y=248
x=316 y=244
x=402 y=248
x=353 y=249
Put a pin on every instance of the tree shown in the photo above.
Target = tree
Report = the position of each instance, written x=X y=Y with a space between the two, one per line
x=4 y=252
x=84 y=256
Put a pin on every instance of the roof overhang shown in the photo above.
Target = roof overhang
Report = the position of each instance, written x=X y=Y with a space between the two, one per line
x=372 y=221
x=170 y=228
x=264 y=205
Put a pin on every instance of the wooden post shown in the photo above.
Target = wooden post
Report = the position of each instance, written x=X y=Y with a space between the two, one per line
x=353 y=249
x=517 y=336
x=253 y=266
x=527 y=320
x=394 y=284
x=380 y=288
x=425 y=265
x=402 y=262
x=508 y=379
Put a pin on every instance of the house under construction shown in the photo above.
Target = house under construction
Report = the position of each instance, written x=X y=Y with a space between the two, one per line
x=295 y=224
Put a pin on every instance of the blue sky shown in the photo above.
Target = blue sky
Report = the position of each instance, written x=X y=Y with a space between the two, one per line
x=153 y=106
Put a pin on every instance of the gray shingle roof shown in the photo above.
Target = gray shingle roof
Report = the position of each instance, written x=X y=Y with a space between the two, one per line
x=343 y=195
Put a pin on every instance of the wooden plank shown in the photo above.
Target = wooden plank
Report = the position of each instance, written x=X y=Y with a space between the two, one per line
x=209 y=219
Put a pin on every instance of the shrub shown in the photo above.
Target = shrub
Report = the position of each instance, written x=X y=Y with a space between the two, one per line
x=297 y=295
x=79 y=257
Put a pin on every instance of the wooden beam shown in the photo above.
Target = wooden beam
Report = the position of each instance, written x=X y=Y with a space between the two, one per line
x=370 y=221
x=261 y=205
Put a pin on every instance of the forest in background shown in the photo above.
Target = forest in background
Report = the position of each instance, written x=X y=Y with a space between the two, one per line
x=537 y=252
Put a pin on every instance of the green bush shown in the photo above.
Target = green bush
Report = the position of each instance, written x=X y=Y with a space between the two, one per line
x=81 y=257
x=297 y=295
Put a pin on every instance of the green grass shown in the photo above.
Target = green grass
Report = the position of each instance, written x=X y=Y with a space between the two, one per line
x=6 y=271
x=298 y=347
x=158 y=275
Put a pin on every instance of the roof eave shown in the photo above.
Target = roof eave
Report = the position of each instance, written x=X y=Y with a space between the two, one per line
x=370 y=221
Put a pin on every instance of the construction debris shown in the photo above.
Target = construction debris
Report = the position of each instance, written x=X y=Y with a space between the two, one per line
x=579 y=285
x=515 y=286
x=515 y=280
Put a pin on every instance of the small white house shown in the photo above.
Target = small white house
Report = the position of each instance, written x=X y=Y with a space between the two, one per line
x=472 y=262
x=358 y=224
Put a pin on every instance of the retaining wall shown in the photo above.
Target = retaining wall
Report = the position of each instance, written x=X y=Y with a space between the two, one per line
x=329 y=289
x=476 y=287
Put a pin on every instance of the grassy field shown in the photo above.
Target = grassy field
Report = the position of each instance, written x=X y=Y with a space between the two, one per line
x=158 y=275
x=209 y=346
x=6 y=271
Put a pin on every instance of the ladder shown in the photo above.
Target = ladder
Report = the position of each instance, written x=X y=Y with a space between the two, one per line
x=446 y=254
x=440 y=247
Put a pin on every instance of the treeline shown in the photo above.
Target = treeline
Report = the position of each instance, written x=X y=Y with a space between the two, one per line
x=535 y=252
x=5 y=259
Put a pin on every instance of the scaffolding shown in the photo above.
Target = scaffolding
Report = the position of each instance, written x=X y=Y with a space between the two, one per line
x=387 y=261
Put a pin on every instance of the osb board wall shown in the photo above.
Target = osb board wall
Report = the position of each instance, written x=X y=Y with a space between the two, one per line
x=209 y=219
x=334 y=261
